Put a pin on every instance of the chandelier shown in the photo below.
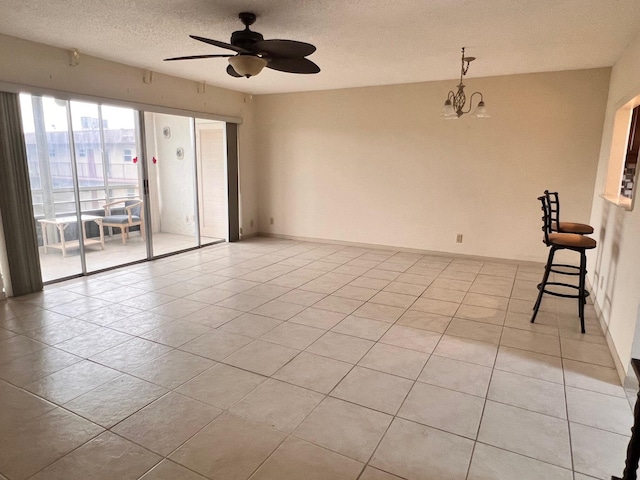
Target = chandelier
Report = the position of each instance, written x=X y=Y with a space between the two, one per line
x=454 y=105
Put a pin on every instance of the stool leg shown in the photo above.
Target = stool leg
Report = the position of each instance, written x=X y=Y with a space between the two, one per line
x=547 y=271
x=582 y=299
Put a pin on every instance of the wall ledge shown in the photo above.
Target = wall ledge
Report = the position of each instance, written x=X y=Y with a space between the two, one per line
x=618 y=201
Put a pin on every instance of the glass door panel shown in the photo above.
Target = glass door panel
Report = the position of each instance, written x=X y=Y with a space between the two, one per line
x=109 y=181
x=121 y=151
x=82 y=156
x=172 y=188
x=211 y=158
x=51 y=172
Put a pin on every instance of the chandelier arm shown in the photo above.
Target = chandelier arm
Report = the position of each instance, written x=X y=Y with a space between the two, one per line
x=476 y=93
x=471 y=101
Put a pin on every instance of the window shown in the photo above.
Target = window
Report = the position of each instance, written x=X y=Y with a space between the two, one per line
x=128 y=157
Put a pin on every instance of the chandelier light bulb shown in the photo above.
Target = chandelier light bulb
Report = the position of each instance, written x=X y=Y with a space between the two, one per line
x=481 y=111
x=448 y=111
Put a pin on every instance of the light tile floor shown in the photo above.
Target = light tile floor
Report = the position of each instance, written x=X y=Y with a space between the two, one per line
x=54 y=266
x=275 y=359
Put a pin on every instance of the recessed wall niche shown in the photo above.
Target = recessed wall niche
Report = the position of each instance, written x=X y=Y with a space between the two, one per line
x=622 y=171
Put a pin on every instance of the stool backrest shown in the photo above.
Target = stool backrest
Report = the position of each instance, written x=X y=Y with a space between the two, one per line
x=546 y=217
x=554 y=209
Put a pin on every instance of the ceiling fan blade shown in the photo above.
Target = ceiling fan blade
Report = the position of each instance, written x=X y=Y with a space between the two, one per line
x=195 y=57
x=220 y=44
x=283 y=48
x=232 y=72
x=293 y=65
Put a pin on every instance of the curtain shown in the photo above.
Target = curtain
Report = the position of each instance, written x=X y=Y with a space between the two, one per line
x=15 y=201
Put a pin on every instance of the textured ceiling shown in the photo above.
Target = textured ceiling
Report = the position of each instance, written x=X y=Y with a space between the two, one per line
x=360 y=42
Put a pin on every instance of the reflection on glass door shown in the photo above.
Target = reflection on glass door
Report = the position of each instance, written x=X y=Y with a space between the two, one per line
x=172 y=188
x=84 y=185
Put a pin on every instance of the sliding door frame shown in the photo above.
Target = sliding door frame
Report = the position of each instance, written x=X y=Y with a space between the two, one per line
x=76 y=184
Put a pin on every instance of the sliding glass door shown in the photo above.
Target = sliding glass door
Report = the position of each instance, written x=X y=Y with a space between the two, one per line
x=106 y=152
x=88 y=173
x=172 y=186
x=83 y=168
x=45 y=122
x=186 y=166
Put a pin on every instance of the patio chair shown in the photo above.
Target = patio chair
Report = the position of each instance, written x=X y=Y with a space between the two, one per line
x=132 y=216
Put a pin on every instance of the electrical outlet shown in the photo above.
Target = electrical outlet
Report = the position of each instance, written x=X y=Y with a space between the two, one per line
x=271 y=220
x=251 y=224
x=459 y=238
x=240 y=230
x=601 y=281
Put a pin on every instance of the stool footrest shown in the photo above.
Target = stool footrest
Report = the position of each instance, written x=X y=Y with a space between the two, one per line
x=576 y=269
x=565 y=295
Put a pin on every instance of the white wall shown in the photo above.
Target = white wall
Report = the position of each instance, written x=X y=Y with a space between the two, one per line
x=378 y=165
x=248 y=151
x=615 y=271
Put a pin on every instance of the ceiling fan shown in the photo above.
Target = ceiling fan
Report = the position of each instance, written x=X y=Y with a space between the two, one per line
x=253 y=52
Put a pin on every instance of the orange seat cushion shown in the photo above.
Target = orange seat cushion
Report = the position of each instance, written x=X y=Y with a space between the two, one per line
x=570 y=227
x=571 y=240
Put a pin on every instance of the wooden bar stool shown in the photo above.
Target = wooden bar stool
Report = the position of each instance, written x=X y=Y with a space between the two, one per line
x=563 y=241
x=557 y=226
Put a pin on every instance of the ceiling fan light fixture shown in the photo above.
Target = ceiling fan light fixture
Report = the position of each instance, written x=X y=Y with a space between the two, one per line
x=247 y=65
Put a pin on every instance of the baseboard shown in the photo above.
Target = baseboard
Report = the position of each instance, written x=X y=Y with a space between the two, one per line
x=397 y=249
x=244 y=236
x=628 y=381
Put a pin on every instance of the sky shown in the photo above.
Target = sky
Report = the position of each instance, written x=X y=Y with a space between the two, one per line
x=55 y=113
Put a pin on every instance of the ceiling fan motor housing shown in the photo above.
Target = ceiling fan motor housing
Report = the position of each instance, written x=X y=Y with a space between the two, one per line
x=245 y=38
